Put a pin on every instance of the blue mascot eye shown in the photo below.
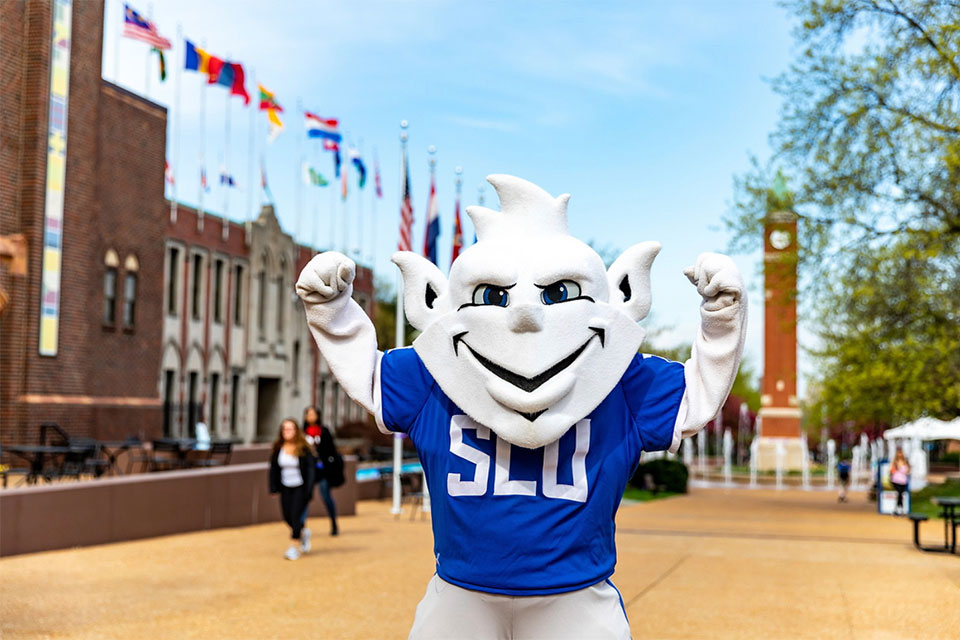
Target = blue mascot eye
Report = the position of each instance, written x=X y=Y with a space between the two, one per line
x=560 y=292
x=489 y=294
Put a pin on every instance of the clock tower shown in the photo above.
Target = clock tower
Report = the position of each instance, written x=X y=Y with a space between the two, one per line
x=780 y=413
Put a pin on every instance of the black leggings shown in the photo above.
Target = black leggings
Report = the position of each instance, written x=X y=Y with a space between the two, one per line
x=901 y=488
x=292 y=502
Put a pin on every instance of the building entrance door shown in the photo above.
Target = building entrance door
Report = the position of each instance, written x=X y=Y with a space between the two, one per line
x=269 y=409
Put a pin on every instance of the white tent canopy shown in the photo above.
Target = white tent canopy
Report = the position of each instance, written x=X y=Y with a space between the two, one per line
x=925 y=428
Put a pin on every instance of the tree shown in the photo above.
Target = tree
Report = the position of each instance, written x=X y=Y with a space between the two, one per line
x=385 y=318
x=892 y=352
x=870 y=136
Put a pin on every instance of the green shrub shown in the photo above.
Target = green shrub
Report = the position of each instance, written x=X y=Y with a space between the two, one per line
x=668 y=475
x=953 y=458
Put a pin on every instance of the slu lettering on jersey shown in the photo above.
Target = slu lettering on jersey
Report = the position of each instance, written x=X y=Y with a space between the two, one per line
x=503 y=484
x=504 y=516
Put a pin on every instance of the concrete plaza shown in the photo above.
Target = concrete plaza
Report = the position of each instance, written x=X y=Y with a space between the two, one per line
x=713 y=564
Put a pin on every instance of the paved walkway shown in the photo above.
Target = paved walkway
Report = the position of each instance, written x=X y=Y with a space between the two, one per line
x=713 y=564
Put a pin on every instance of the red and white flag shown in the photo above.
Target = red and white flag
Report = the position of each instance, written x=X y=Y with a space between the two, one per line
x=167 y=172
x=406 y=212
x=457 y=233
x=139 y=28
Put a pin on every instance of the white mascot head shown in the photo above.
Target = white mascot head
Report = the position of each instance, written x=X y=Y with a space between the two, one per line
x=531 y=332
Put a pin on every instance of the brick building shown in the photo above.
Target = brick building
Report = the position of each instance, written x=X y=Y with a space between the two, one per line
x=236 y=347
x=79 y=159
x=90 y=337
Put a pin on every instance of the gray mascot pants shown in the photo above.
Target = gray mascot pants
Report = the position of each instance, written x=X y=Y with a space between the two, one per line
x=449 y=612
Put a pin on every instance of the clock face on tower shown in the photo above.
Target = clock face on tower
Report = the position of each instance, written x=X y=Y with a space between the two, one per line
x=780 y=239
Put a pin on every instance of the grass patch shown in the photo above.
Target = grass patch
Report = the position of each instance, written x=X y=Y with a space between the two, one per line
x=642 y=495
x=920 y=500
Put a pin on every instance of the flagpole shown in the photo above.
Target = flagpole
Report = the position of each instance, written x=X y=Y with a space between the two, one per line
x=224 y=227
x=344 y=226
x=251 y=151
x=176 y=129
x=373 y=209
x=146 y=76
x=400 y=338
x=458 y=183
x=298 y=192
x=359 y=246
x=432 y=162
x=315 y=218
x=333 y=204
x=203 y=142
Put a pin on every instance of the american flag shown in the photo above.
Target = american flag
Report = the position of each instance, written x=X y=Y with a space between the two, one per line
x=406 y=212
x=457 y=233
x=139 y=28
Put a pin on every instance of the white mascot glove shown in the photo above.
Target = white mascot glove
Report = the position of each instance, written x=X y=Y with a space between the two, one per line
x=715 y=356
x=327 y=276
x=343 y=332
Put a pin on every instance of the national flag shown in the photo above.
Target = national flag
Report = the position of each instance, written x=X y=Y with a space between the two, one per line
x=263 y=181
x=231 y=76
x=167 y=173
x=376 y=176
x=196 y=59
x=214 y=67
x=268 y=103
x=313 y=177
x=203 y=180
x=318 y=127
x=237 y=87
x=275 y=125
x=335 y=148
x=432 y=231
x=139 y=28
x=457 y=232
x=361 y=168
x=163 y=64
x=268 y=100
x=226 y=179
x=406 y=211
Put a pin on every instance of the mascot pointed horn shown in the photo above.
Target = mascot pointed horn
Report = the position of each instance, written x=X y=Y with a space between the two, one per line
x=525 y=208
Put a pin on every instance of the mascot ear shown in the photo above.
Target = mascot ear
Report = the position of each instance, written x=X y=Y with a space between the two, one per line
x=629 y=278
x=424 y=289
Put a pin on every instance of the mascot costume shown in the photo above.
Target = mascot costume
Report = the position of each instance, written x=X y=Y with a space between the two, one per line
x=529 y=406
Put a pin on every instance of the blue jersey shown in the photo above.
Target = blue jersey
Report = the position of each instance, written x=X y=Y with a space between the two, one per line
x=518 y=521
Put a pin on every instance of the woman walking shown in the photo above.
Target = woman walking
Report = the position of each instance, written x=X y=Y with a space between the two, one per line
x=329 y=462
x=292 y=471
x=899 y=477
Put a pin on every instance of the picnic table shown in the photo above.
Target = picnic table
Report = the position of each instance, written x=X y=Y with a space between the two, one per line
x=948 y=511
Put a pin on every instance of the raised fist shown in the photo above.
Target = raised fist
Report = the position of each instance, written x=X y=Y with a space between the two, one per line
x=326 y=277
x=717 y=279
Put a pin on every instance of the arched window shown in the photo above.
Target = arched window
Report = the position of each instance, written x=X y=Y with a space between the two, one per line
x=132 y=267
x=112 y=262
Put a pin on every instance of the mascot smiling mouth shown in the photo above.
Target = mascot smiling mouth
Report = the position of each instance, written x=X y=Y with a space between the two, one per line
x=522 y=382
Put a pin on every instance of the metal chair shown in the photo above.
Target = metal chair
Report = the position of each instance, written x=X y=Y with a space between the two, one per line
x=164 y=463
x=217 y=448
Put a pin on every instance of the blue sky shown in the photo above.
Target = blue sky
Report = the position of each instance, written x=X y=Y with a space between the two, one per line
x=643 y=111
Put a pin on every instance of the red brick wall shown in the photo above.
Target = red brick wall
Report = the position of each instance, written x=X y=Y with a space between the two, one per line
x=113 y=198
x=13 y=91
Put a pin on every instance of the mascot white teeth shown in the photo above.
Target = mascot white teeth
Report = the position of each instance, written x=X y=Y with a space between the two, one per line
x=525 y=381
